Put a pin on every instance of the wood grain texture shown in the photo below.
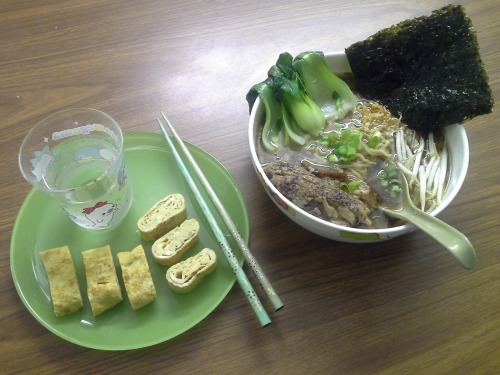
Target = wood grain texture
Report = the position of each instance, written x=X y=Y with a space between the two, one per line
x=399 y=307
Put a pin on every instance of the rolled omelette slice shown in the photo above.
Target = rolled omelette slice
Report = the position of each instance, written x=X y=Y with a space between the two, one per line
x=184 y=276
x=162 y=217
x=169 y=248
x=137 y=277
x=103 y=289
x=64 y=289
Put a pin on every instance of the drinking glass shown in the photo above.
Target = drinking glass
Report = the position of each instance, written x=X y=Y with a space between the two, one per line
x=76 y=156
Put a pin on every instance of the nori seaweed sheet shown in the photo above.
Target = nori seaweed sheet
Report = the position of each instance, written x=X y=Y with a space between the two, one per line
x=426 y=69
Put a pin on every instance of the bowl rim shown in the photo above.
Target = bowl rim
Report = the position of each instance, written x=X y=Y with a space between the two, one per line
x=386 y=232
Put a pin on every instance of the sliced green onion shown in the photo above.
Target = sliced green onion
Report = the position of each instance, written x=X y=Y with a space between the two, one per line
x=394 y=181
x=344 y=144
x=332 y=158
x=375 y=139
x=350 y=186
x=353 y=185
x=351 y=151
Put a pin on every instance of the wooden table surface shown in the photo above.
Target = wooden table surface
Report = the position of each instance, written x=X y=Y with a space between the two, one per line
x=397 y=307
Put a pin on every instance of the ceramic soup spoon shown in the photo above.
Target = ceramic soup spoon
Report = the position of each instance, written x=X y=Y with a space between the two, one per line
x=453 y=240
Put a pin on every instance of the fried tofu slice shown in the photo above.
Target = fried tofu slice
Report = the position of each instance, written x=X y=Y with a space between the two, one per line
x=64 y=288
x=103 y=288
x=137 y=277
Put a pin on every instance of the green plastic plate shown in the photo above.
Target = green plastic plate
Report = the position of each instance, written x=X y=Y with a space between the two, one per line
x=152 y=170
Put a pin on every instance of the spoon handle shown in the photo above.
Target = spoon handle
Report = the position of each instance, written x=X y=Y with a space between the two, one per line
x=453 y=240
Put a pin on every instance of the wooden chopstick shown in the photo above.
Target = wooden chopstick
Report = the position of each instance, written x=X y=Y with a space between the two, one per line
x=241 y=277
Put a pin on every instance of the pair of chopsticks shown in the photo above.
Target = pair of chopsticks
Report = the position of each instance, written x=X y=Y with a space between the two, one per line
x=241 y=277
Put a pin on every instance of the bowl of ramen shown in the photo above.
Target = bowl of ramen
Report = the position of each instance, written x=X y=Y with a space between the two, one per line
x=336 y=182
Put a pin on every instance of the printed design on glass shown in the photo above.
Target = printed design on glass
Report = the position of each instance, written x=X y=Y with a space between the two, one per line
x=101 y=214
x=96 y=215
x=41 y=163
x=122 y=176
x=91 y=154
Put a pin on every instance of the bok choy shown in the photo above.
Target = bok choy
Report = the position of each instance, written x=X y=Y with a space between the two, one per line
x=331 y=93
x=288 y=88
x=298 y=96
x=273 y=114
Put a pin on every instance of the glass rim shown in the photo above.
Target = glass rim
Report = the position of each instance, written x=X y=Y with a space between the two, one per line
x=45 y=187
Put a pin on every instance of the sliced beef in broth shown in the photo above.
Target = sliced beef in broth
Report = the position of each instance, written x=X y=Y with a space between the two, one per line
x=320 y=197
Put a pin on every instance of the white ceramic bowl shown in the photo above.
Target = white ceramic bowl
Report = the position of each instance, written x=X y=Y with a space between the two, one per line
x=459 y=155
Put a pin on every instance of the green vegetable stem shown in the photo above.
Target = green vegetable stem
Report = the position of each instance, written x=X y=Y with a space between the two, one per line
x=273 y=117
x=299 y=95
x=287 y=87
x=331 y=93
